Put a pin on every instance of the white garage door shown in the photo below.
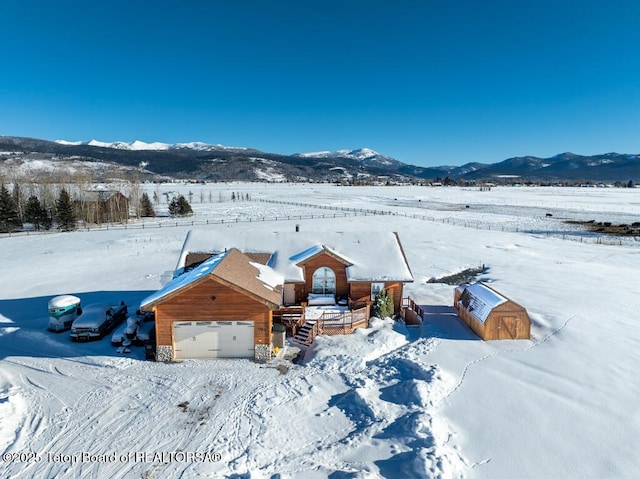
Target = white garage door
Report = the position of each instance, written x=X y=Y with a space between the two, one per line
x=213 y=339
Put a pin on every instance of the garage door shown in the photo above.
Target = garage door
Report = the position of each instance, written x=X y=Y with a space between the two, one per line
x=213 y=339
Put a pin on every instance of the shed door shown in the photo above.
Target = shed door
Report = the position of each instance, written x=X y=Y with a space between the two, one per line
x=213 y=339
x=508 y=328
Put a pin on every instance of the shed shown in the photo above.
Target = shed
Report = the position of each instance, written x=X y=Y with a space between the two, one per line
x=490 y=314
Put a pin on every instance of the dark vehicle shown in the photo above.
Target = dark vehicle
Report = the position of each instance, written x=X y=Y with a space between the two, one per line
x=97 y=320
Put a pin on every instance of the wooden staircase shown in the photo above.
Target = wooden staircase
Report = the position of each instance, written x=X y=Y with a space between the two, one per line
x=306 y=334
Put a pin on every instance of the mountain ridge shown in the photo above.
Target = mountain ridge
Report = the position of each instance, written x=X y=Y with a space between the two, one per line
x=198 y=160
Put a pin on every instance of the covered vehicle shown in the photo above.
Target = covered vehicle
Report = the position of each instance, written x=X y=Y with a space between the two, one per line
x=97 y=320
x=63 y=311
x=146 y=332
x=134 y=321
x=119 y=335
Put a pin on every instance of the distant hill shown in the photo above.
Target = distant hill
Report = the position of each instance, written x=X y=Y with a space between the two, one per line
x=204 y=161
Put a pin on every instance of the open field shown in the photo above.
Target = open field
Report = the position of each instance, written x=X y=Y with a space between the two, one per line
x=389 y=402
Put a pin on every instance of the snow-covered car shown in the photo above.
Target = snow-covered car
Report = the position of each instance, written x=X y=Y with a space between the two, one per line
x=146 y=332
x=131 y=326
x=97 y=320
x=134 y=321
x=119 y=335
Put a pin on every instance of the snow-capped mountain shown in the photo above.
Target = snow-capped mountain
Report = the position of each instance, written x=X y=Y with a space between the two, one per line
x=221 y=163
x=363 y=155
x=138 y=145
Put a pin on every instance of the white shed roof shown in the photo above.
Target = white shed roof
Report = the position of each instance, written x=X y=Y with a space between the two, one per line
x=479 y=300
x=372 y=256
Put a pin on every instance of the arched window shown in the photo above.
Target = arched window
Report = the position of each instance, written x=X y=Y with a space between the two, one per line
x=324 y=281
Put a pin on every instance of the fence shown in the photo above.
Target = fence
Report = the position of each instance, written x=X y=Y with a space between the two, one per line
x=570 y=235
x=192 y=221
x=344 y=212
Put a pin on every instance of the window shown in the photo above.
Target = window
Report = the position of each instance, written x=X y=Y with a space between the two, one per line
x=375 y=289
x=323 y=281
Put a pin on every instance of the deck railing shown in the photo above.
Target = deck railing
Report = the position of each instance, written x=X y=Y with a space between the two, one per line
x=337 y=322
x=411 y=312
x=291 y=316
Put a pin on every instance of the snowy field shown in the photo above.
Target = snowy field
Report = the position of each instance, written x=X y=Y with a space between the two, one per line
x=388 y=402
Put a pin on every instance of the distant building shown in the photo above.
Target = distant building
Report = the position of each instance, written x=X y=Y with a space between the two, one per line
x=104 y=206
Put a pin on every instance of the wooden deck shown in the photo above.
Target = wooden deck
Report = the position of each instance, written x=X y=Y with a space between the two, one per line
x=332 y=323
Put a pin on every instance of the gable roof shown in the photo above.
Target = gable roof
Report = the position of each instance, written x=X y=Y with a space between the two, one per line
x=369 y=255
x=479 y=300
x=231 y=268
x=315 y=250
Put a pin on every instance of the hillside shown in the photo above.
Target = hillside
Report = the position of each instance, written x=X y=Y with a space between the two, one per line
x=203 y=161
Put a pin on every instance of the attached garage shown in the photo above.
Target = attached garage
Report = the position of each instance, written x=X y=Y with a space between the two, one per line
x=490 y=314
x=220 y=309
x=213 y=339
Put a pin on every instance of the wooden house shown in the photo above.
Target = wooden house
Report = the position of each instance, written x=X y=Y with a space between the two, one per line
x=220 y=309
x=303 y=272
x=489 y=314
x=317 y=267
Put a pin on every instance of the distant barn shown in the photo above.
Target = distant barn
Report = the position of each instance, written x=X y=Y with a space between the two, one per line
x=104 y=206
x=489 y=314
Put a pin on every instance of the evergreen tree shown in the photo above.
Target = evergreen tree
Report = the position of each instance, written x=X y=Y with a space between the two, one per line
x=9 y=218
x=383 y=305
x=180 y=207
x=146 y=207
x=36 y=214
x=65 y=214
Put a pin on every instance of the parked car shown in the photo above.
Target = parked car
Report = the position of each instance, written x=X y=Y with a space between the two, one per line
x=97 y=320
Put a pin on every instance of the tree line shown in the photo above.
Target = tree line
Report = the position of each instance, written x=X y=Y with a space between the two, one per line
x=45 y=206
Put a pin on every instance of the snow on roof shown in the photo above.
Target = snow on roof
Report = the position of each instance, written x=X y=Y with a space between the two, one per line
x=480 y=300
x=184 y=280
x=268 y=276
x=63 y=301
x=373 y=256
x=233 y=267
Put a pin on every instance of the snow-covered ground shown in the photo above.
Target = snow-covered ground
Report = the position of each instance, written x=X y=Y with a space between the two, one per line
x=387 y=402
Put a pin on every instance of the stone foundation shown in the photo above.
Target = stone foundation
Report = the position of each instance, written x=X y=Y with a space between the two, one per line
x=262 y=353
x=164 y=353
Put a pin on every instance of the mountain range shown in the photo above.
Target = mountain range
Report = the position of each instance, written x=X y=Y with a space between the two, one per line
x=204 y=161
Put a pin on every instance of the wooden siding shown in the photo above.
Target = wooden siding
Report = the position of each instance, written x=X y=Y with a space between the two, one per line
x=195 y=304
x=361 y=291
x=312 y=264
x=506 y=321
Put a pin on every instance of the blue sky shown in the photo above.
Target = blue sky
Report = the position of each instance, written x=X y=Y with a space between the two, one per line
x=428 y=82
